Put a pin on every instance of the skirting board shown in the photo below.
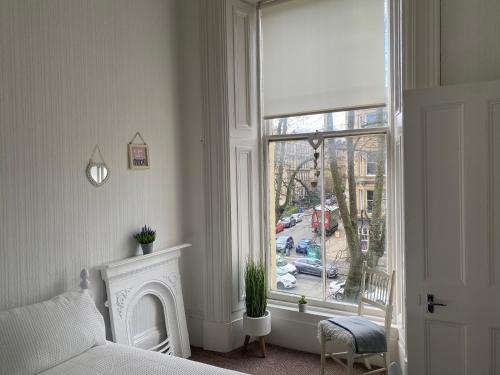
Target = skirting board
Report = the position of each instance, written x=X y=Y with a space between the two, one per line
x=290 y=329
x=223 y=337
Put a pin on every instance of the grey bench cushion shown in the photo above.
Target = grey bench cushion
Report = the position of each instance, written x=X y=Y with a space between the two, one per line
x=361 y=334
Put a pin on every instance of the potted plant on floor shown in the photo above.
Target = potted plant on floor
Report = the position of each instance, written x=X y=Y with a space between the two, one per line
x=146 y=237
x=302 y=304
x=256 y=319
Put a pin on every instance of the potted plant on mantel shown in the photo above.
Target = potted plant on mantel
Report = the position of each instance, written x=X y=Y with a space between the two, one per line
x=146 y=237
x=256 y=319
x=302 y=302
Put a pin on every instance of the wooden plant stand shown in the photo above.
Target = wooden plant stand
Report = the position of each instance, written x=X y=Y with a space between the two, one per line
x=262 y=344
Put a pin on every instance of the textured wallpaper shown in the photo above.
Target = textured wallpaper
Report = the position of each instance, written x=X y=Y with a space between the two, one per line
x=74 y=73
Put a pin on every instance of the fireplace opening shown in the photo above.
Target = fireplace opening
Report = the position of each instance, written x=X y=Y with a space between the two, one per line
x=148 y=328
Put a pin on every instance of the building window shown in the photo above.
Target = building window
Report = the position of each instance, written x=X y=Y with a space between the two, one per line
x=363 y=233
x=371 y=163
x=369 y=201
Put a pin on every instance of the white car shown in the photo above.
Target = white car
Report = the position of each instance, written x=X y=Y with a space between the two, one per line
x=288 y=267
x=297 y=217
x=286 y=281
x=336 y=290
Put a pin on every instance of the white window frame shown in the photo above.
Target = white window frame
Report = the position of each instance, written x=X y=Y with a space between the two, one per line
x=278 y=296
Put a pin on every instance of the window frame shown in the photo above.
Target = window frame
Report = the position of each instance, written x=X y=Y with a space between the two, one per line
x=266 y=139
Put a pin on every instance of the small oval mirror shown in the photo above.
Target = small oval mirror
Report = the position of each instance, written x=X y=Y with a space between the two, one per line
x=97 y=173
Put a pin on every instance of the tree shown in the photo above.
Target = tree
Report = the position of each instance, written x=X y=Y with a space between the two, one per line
x=377 y=222
x=280 y=181
x=279 y=156
x=348 y=206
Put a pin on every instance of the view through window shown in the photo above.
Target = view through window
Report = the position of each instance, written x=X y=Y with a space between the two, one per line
x=328 y=210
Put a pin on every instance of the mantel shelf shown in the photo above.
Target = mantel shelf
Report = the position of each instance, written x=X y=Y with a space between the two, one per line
x=138 y=258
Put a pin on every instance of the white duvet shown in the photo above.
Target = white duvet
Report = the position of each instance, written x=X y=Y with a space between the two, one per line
x=116 y=359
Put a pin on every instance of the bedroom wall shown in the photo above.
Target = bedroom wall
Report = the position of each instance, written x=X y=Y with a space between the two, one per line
x=470 y=32
x=193 y=225
x=74 y=73
x=453 y=40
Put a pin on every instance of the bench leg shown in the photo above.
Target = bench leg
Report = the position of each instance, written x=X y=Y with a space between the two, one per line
x=350 y=363
x=323 y=354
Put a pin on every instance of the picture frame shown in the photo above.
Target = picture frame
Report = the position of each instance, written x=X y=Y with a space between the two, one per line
x=138 y=156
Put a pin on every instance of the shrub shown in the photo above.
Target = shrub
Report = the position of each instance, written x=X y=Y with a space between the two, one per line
x=146 y=235
x=255 y=288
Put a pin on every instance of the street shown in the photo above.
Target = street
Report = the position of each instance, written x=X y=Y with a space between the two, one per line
x=336 y=253
x=309 y=285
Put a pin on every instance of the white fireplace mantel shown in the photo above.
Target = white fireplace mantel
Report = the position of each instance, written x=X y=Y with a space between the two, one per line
x=157 y=274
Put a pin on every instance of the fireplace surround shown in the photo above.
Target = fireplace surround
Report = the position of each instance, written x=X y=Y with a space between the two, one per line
x=148 y=286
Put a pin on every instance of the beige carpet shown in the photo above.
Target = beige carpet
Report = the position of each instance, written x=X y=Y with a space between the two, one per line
x=279 y=361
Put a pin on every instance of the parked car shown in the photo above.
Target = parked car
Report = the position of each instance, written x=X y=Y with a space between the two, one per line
x=288 y=267
x=297 y=217
x=288 y=221
x=284 y=244
x=279 y=227
x=315 y=267
x=286 y=281
x=303 y=244
x=336 y=290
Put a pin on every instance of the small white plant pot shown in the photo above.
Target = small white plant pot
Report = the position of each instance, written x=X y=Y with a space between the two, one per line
x=257 y=327
x=302 y=307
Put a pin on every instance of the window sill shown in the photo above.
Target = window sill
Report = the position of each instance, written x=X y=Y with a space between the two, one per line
x=289 y=311
x=322 y=307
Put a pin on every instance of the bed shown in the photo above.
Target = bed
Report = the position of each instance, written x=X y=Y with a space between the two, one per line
x=66 y=335
x=117 y=359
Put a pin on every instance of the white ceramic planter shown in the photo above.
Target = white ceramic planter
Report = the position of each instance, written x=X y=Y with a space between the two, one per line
x=302 y=307
x=257 y=327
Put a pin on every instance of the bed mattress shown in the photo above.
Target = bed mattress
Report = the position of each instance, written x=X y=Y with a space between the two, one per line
x=116 y=359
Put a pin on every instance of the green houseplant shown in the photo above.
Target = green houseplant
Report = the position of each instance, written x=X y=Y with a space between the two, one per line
x=256 y=319
x=146 y=237
x=302 y=302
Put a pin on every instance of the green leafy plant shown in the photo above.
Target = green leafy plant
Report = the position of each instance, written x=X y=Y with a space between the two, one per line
x=146 y=235
x=302 y=300
x=255 y=288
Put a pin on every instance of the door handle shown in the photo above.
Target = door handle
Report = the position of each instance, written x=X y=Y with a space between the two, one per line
x=431 y=303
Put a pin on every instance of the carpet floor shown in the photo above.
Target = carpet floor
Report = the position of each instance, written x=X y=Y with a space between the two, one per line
x=279 y=361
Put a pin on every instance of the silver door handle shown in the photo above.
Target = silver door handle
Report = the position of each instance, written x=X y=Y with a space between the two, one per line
x=431 y=303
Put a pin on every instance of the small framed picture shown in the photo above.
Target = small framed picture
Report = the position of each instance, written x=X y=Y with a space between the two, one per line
x=138 y=156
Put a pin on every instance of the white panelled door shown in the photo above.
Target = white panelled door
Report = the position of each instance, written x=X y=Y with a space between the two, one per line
x=452 y=227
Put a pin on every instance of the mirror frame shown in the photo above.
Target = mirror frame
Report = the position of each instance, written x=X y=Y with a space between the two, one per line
x=89 y=175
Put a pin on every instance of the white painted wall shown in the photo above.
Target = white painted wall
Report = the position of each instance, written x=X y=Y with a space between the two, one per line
x=452 y=41
x=470 y=34
x=193 y=191
x=74 y=73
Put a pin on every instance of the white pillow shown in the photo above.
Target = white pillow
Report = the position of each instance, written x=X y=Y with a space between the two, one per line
x=37 y=337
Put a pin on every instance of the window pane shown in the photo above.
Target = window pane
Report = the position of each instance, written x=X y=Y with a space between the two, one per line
x=359 y=208
x=294 y=203
x=358 y=119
